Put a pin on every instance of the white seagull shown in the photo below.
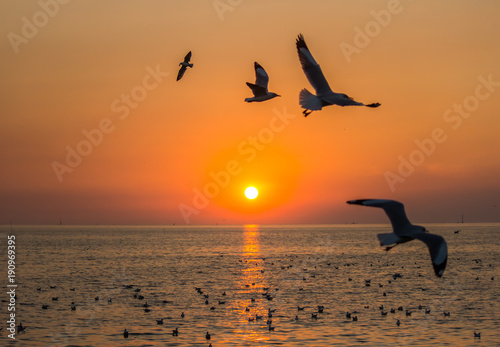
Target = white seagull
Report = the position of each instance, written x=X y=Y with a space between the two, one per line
x=324 y=94
x=404 y=231
x=259 y=89
x=184 y=65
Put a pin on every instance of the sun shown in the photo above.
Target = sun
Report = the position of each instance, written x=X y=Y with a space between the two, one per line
x=251 y=193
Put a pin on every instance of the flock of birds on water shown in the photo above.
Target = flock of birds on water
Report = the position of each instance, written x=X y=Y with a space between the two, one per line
x=302 y=312
x=403 y=230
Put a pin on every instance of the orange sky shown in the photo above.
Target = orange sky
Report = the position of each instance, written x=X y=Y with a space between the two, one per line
x=66 y=67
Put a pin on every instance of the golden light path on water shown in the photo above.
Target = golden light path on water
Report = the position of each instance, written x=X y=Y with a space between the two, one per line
x=252 y=282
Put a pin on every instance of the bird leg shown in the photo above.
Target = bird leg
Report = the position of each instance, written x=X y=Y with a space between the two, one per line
x=388 y=248
x=306 y=113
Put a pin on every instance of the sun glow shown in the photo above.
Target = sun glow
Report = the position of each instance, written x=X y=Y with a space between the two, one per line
x=251 y=192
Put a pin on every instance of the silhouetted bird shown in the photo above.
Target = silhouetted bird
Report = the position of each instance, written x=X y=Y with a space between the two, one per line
x=184 y=65
x=324 y=94
x=259 y=89
x=404 y=231
x=20 y=328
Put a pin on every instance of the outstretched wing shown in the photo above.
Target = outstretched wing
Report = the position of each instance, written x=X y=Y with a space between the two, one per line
x=438 y=250
x=187 y=58
x=311 y=68
x=257 y=90
x=394 y=210
x=261 y=77
x=181 y=72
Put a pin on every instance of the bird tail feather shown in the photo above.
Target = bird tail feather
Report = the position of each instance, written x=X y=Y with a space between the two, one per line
x=309 y=101
x=388 y=239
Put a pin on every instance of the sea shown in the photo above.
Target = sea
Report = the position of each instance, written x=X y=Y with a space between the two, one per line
x=247 y=285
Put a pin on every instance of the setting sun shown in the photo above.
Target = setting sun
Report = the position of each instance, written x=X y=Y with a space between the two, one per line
x=251 y=192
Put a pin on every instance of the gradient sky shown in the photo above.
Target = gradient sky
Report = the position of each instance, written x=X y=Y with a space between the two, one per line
x=434 y=67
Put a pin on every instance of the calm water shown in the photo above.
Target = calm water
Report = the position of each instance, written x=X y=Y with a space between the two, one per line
x=302 y=266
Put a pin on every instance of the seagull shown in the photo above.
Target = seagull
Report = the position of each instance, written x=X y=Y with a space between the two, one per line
x=259 y=89
x=404 y=231
x=184 y=65
x=324 y=94
x=125 y=334
x=20 y=328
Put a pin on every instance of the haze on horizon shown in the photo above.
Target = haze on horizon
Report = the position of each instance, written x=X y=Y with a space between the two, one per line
x=95 y=129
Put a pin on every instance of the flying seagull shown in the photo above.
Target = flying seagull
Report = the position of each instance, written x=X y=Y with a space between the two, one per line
x=184 y=65
x=404 y=231
x=324 y=94
x=259 y=89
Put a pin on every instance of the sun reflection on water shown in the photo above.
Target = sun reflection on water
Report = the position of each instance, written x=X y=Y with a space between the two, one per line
x=252 y=282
